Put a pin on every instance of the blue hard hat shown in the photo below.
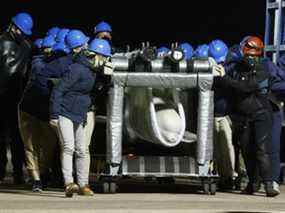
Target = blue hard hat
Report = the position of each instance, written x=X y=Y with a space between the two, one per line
x=60 y=36
x=76 y=38
x=48 y=42
x=38 y=43
x=100 y=46
x=187 y=49
x=24 y=22
x=218 y=50
x=53 y=31
x=102 y=27
x=202 y=51
x=162 y=51
x=61 y=47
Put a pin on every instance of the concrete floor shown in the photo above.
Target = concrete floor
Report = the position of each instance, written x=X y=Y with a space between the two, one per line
x=138 y=198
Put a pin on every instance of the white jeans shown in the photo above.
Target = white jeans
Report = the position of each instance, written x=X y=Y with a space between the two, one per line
x=88 y=131
x=72 y=141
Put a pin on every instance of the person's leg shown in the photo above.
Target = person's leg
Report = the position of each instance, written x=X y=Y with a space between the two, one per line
x=80 y=155
x=262 y=132
x=17 y=153
x=66 y=134
x=216 y=144
x=227 y=155
x=248 y=153
x=49 y=145
x=3 y=156
x=228 y=149
x=262 y=129
x=88 y=131
x=80 y=159
x=275 y=152
x=30 y=134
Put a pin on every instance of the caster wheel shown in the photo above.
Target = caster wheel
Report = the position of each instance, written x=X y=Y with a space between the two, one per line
x=160 y=181
x=206 y=188
x=213 y=188
x=113 y=187
x=106 y=188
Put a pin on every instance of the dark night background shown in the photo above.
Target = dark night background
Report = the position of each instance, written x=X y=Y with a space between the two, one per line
x=162 y=23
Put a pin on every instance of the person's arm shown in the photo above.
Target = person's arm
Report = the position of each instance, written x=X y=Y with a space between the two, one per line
x=226 y=82
x=66 y=83
x=276 y=71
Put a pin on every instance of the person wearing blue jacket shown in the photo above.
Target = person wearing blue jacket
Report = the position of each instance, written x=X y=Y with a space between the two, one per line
x=69 y=104
x=277 y=71
x=35 y=130
x=33 y=116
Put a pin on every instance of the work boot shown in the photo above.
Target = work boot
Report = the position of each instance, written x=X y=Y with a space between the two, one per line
x=251 y=188
x=85 y=191
x=70 y=189
x=37 y=186
x=271 y=189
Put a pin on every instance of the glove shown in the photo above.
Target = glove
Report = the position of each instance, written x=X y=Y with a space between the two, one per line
x=218 y=70
x=108 y=68
x=53 y=123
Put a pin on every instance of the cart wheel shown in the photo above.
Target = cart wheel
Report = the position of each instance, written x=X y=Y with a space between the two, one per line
x=206 y=188
x=113 y=187
x=106 y=188
x=213 y=188
x=159 y=180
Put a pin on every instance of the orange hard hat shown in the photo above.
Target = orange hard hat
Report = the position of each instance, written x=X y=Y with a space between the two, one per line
x=252 y=46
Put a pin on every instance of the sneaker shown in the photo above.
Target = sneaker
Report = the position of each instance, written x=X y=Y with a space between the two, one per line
x=70 y=189
x=85 y=191
x=272 y=189
x=37 y=186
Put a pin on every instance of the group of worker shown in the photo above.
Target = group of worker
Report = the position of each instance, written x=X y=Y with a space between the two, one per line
x=49 y=90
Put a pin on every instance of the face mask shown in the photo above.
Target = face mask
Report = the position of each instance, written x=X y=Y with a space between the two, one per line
x=252 y=60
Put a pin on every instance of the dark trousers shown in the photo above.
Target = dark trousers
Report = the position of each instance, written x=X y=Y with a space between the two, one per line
x=10 y=137
x=275 y=152
x=255 y=141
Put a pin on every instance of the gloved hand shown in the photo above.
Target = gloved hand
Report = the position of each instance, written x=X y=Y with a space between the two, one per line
x=53 y=123
x=108 y=68
x=218 y=70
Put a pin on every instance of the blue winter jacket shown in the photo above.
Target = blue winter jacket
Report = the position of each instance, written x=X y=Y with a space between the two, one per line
x=278 y=71
x=71 y=97
x=38 y=88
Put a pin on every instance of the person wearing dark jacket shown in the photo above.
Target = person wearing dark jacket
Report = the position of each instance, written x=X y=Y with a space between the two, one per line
x=70 y=102
x=276 y=72
x=224 y=154
x=37 y=135
x=15 y=55
x=249 y=85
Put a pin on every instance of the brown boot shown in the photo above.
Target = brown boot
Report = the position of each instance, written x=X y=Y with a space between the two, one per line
x=70 y=189
x=85 y=191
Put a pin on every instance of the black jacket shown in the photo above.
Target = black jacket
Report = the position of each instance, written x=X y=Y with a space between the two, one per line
x=247 y=88
x=15 y=56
